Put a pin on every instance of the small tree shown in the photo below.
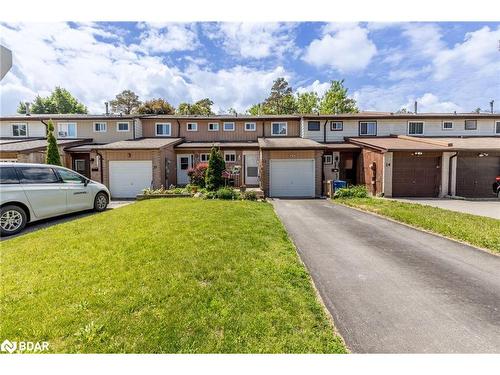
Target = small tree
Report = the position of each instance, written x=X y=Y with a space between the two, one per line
x=216 y=165
x=197 y=174
x=52 y=156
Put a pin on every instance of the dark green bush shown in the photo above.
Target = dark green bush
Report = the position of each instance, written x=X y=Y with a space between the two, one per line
x=249 y=195
x=358 y=191
x=227 y=193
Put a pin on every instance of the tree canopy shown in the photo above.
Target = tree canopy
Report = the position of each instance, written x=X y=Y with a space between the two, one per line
x=202 y=107
x=126 y=102
x=52 y=156
x=335 y=100
x=156 y=107
x=59 y=101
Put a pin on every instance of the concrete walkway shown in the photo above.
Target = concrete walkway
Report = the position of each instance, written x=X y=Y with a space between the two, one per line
x=394 y=289
x=488 y=208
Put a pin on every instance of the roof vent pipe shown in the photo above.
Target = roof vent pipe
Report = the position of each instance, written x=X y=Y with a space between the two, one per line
x=491 y=105
x=27 y=104
x=106 y=104
x=416 y=106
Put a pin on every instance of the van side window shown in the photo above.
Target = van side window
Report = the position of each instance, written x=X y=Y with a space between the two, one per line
x=37 y=175
x=8 y=175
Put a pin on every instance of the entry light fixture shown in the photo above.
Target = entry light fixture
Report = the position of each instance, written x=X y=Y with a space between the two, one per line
x=482 y=154
x=418 y=153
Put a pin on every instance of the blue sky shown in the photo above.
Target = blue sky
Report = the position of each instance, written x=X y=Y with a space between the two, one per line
x=386 y=66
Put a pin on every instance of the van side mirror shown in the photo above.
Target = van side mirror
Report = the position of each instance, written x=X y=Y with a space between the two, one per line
x=85 y=182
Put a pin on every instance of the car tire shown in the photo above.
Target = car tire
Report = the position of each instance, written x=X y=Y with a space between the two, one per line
x=13 y=219
x=100 y=201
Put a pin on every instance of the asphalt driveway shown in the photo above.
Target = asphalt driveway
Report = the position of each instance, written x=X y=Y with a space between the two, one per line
x=394 y=289
x=488 y=208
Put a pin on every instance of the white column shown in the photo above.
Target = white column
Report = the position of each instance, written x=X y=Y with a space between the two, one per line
x=387 y=174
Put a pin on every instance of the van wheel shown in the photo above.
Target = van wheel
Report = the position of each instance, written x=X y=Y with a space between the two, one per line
x=12 y=220
x=100 y=202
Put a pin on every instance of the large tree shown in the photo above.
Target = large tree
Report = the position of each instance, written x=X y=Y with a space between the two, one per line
x=281 y=100
x=336 y=100
x=307 y=102
x=59 y=101
x=202 y=107
x=156 y=107
x=126 y=102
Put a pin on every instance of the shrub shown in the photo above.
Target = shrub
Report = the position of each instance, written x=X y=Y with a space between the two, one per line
x=358 y=191
x=197 y=174
x=213 y=174
x=227 y=193
x=52 y=156
x=249 y=195
x=163 y=191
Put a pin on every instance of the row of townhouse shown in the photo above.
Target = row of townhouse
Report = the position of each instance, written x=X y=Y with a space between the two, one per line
x=398 y=155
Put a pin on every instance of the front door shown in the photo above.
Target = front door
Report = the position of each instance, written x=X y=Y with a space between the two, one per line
x=184 y=162
x=81 y=164
x=251 y=167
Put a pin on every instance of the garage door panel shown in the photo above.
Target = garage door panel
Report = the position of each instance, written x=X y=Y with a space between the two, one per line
x=415 y=176
x=129 y=178
x=292 y=178
x=476 y=175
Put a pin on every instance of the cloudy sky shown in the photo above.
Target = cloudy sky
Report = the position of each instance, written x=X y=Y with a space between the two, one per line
x=386 y=66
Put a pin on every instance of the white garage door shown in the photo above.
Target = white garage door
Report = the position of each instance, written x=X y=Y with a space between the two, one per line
x=291 y=178
x=128 y=178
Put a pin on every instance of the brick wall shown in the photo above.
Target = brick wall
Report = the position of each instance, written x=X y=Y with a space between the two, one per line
x=366 y=158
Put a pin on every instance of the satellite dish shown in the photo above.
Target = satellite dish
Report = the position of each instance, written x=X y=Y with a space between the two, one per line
x=5 y=61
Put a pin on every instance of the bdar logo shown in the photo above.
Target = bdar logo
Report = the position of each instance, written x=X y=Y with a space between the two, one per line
x=8 y=346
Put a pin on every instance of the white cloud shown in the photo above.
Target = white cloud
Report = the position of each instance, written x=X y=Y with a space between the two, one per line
x=167 y=37
x=425 y=39
x=255 y=40
x=317 y=86
x=344 y=47
x=431 y=103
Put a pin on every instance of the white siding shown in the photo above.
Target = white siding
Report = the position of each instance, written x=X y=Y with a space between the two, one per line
x=138 y=128
x=35 y=128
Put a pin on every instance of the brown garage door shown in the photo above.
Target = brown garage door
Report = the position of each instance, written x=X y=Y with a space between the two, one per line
x=415 y=176
x=476 y=175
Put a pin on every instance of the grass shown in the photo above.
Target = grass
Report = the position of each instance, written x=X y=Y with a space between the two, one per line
x=164 y=276
x=478 y=231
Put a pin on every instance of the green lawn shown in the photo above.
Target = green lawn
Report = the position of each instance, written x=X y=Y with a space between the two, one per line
x=476 y=230
x=164 y=276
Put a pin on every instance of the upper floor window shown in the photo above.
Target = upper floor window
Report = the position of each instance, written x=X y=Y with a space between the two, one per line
x=470 y=124
x=122 y=126
x=447 y=125
x=367 y=128
x=66 y=130
x=336 y=126
x=213 y=126
x=279 y=128
x=250 y=126
x=19 y=130
x=497 y=127
x=100 y=127
x=415 y=128
x=163 y=129
x=313 y=126
x=229 y=126
x=192 y=127
x=204 y=158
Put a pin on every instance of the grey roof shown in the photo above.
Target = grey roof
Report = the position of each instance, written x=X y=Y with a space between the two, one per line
x=85 y=147
x=289 y=143
x=341 y=146
x=218 y=144
x=59 y=116
x=141 y=143
x=34 y=144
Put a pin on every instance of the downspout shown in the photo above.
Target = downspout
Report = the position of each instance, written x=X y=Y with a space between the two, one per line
x=133 y=128
x=100 y=165
x=324 y=131
x=450 y=172
x=178 y=128
x=263 y=129
x=46 y=126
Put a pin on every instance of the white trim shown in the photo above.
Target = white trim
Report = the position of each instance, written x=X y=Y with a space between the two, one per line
x=59 y=126
x=327 y=159
x=336 y=122
x=194 y=129
x=17 y=124
x=204 y=153
x=254 y=126
x=448 y=121
x=367 y=122
x=213 y=123
x=228 y=153
x=122 y=122
x=465 y=126
x=279 y=122
x=163 y=123
x=415 y=122
x=102 y=123
x=229 y=130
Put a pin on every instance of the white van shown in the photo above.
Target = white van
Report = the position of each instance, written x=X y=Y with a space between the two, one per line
x=31 y=192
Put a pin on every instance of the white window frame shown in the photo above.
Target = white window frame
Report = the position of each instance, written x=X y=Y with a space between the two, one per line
x=216 y=126
x=101 y=123
x=415 y=122
x=332 y=129
x=367 y=122
x=122 y=122
x=279 y=123
x=450 y=122
x=229 y=153
x=229 y=130
x=61 y=125
x=163 y=124
x=328 y=159
x=194 y=126
x=465 y=125
x=254 y=126
x=497 y=127
x=20 y=124
x=207 y=157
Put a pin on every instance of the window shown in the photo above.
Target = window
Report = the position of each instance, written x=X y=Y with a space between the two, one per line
x=328 y=159
x=415 y=127
x=470 y=124
x=313 y=126
x=8 y=175
x=250 y=126
x=213 y=126
x=184 y=162
x=100 y=127
x=192 y=127
x=447 y=125
x=336 y=126
x=19 y=130
x=163 y=129
x=230 y=156
x=204 y=158
x=497 y=127
x=70 y=177
x=122 y=127
x=66 y=130
x=279 y=128
x=229 y=126
x=79 y=165
x=37 y=175
x=367 y=128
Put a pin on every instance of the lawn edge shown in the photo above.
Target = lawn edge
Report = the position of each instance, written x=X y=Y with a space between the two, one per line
x=319 y=298
x=483 y=249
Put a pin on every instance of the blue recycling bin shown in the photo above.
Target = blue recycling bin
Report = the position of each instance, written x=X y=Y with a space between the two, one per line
x=338 y=184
